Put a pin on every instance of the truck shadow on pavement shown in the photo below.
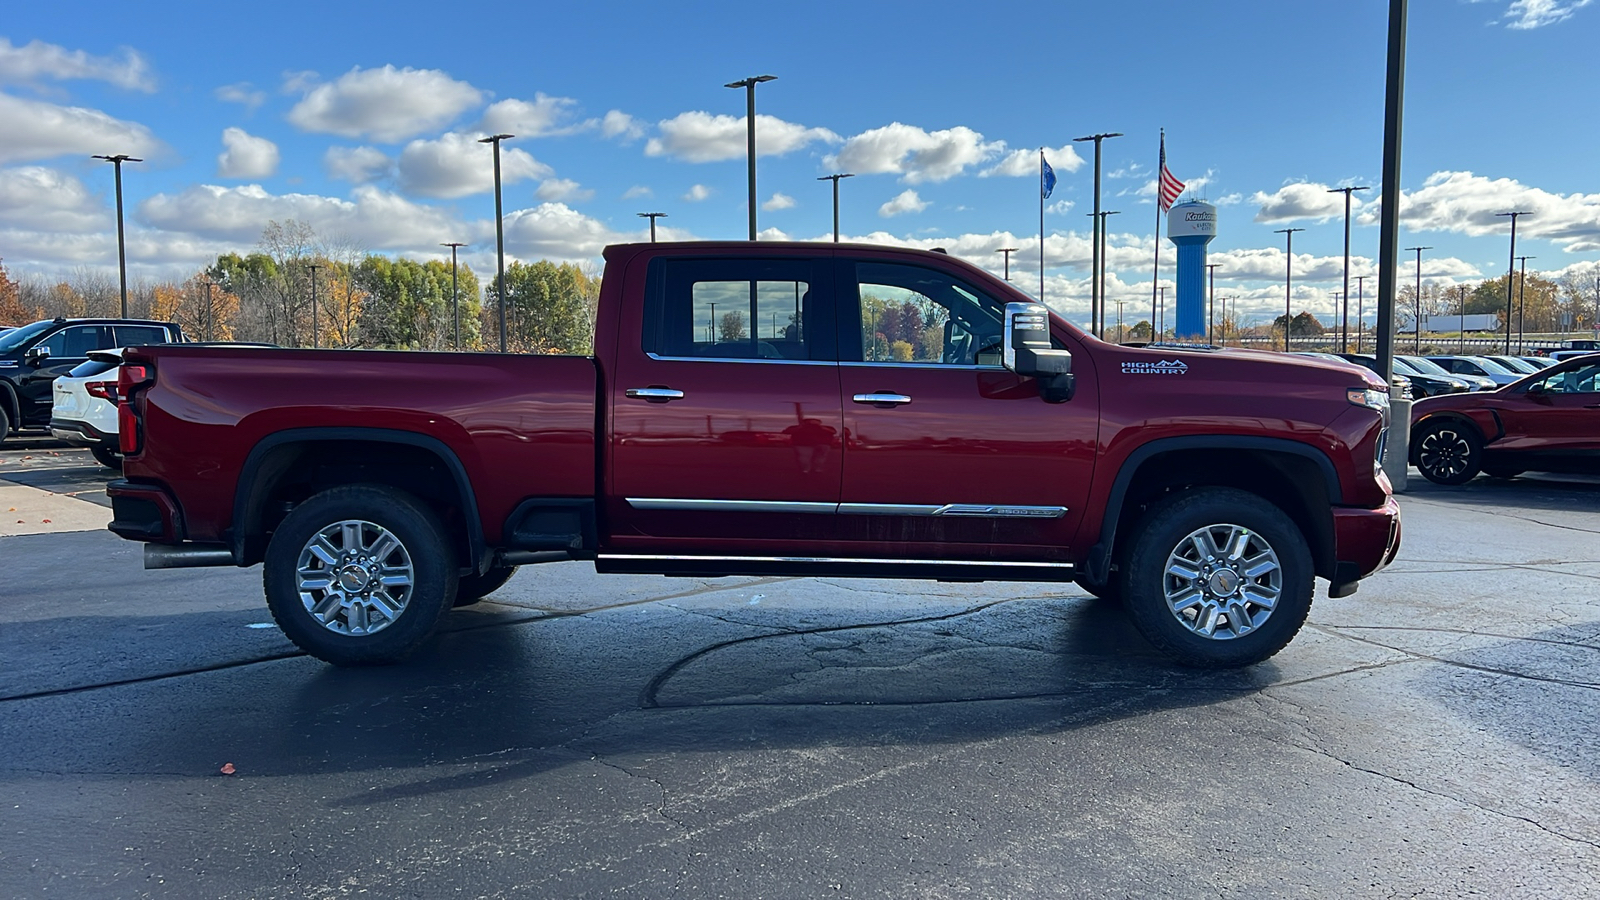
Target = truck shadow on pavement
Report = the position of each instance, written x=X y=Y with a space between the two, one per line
x=507 y=698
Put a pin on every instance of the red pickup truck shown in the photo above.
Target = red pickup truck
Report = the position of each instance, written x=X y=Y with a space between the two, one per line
x=766 y=409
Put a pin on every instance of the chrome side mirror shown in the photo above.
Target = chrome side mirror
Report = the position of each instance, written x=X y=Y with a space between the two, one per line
x=1028 y=351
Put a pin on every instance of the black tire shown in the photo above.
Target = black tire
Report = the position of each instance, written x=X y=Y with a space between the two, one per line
x=1168 y=530
x=107 y=457
x=1447 y=451
x=472 y=588
x=1502 y=471
x=5 y=422
x=345 y=634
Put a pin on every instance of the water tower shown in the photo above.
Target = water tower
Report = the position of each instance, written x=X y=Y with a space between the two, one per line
x=1192 y=225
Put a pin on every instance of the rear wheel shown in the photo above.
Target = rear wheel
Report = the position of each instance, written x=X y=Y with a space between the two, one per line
x=1448 y=452
x=1218 y=578
x=5 y=422
x=107 y=457
x=473 y=588
x=359 y=575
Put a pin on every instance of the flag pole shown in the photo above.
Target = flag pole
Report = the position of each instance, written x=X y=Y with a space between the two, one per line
x=1155 y=275
x=1041 y=224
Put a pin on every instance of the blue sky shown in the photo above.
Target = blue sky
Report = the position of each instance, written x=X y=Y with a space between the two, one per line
x=361 y=120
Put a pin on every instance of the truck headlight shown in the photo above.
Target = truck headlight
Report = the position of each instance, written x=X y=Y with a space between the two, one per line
x=1370 y=398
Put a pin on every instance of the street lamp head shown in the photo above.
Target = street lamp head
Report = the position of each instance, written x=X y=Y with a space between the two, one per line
x=651 y=215
x=752 y=80
x=118 y=158
x=835 y=178
x=1520 y=212
x=495 y=138
x=453 y=244
x=1098 y=137
x=1346 y=190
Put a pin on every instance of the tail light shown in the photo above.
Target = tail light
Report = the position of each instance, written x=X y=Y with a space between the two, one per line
x=105 y=390
x=131 y=381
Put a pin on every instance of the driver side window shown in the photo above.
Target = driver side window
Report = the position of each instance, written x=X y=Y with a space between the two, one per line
x=1581 y=380
x=925 y=317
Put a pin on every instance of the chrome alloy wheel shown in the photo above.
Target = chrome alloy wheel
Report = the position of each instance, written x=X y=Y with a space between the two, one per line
x=355 y=577
x=1222 y=581
x=1444 y=452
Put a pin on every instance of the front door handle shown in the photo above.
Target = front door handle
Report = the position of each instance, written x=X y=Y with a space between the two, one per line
x=883 y=398
x=654 y=394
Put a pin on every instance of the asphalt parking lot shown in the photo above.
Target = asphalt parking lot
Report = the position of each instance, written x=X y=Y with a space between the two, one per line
x=1435 y=734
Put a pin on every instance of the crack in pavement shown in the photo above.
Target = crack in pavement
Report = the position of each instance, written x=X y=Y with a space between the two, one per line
x=1498 y=513
x=1491 y=670
x=1451 y=797
x=660 y=810
x=1466 y=632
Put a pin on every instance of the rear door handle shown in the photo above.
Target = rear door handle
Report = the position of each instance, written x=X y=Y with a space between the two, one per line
x=883 y=398
x=654 y=394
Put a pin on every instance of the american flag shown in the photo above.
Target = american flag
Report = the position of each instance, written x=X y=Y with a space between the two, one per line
x=1170 y=186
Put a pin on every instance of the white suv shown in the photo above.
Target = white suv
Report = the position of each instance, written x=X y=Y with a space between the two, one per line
x=84 y=412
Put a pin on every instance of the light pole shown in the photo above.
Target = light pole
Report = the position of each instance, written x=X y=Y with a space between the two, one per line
x=1522 y=306
x=499 y=236
x=1511 y=269
x=749 y=85
x=1211 y=301
x=1162 y=331
x=1361 y=296
x=1344 y=343
x=1336 y=297
x=1096 y=313
x=835 y=180
x=652 y=217
x=314 y=267
x=1007 y=251
x=122 y=243
x=455 y=295
x=1288 y=278
x=1119 y=320
x=206 y=316
x=1461 y=328
x=1416 y=298
x=1105 y=214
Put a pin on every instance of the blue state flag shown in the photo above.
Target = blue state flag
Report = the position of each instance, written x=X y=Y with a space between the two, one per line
x=1047 y=177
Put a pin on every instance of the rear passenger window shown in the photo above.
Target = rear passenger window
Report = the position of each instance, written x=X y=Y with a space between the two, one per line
x=735 y=309
x=135 y=335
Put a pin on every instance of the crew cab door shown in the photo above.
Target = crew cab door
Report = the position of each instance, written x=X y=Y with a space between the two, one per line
x=947 y=454
x=725 y=419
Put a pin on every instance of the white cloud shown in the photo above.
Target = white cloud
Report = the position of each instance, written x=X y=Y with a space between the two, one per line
x=41 y=199
x=557 y=232
x=357 y=164
x=701 y=137
x=36 y=59
x=778 y=201
x=39 y=130
x=387 y=104
x=1060 y=206
x=243 y=93
x=916 y=154
x=561 y=189
x=906 y=201
x=455 y=165
x=1020 y=163
x=1525 y=14
x=374 y=218
x=1303 y=200
x=618 y=124
x=1467 y=204
x=246 y=156
x=544 y=116
x=1229 y=199
x=697 y=193
x=637 y=190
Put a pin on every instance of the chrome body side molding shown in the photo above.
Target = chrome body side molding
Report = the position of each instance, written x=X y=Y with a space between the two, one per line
x=977 y=510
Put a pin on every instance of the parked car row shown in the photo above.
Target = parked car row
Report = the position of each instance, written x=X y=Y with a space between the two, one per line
x=33 y=356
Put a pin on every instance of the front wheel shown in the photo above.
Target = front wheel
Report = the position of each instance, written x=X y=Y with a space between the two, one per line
x=1218 y=578
x=1448 y=452
x=359 y=575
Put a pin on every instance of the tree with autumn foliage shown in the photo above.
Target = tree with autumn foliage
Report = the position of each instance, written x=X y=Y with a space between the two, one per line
x=200 y=306
x=12 y=310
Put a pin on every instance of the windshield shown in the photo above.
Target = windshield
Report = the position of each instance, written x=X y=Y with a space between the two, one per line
x=1426 y=366
x=1516 y=365
x=1400 y=365
x=1491 y=366
x=15 y=339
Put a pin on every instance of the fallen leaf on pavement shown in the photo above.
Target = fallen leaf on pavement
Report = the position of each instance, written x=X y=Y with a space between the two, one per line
x=228 y=769
x=45 y=522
